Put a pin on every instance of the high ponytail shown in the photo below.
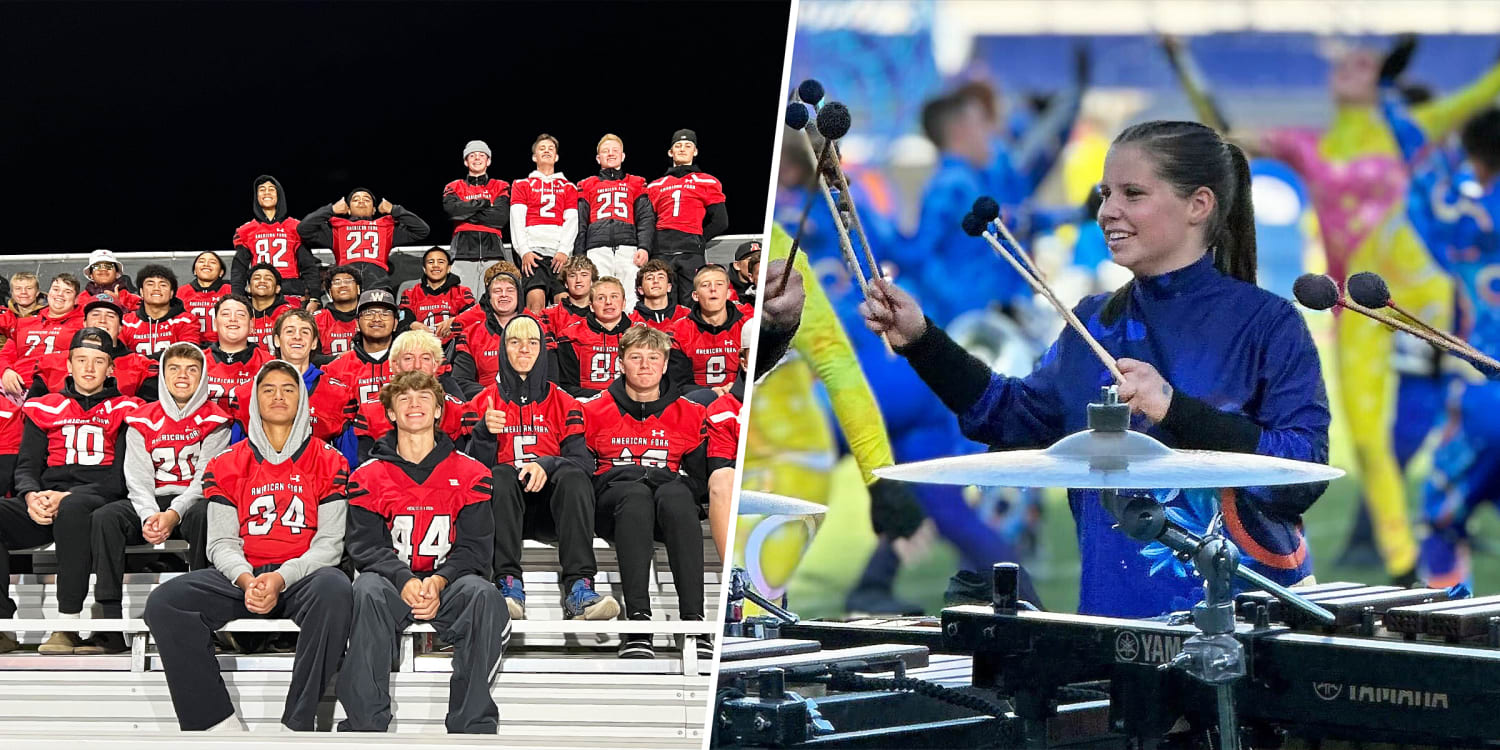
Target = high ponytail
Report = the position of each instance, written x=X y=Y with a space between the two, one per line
x=1187 y=156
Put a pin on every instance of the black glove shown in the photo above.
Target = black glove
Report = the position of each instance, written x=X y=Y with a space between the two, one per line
x=1398 y=58
x=894 y=510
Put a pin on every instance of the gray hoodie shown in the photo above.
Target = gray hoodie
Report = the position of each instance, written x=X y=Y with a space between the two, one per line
x=226 y=549
x=140 y=470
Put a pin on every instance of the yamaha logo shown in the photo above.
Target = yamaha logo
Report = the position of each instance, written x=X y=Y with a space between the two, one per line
x=1328 y=690
x=1127 y=646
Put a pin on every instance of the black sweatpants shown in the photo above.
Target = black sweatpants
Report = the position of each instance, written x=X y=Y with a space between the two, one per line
x=684 y=266
x=183 y=614
x=117 y=526
x=72 y=532
x=634 y=517
x=563 y=509
x=471 y=615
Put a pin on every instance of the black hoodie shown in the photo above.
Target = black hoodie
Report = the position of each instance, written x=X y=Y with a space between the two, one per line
x=108 y=480
x=535 y=393
x=368 y=534
x=305 y=283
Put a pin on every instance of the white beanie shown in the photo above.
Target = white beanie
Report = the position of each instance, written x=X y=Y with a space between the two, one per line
x=480 y=146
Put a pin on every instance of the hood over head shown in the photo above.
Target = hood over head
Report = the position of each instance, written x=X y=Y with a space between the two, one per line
x=537 y=383
x=255 y=209
x=301 y=424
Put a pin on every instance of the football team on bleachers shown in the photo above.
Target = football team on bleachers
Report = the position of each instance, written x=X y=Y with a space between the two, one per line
x=295 y=424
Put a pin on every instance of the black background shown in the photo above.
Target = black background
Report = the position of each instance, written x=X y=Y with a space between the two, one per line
x=140 y=126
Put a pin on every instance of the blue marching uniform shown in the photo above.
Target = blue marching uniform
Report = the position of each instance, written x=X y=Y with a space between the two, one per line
x=1458 y=226
x=1246 y=378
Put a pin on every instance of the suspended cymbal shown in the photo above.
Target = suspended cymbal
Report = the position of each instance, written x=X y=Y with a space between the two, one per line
x=1112 y=460
x=766 y=504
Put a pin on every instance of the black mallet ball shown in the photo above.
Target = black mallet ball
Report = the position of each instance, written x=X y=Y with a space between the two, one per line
x=834 y=121
x=1315 y=292
x=796 y=115
x=1368 y=289
x=986 y=208
x=810 y=91
x=973 y=225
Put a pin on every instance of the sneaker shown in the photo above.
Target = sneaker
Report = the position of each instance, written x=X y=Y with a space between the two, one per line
x=60 y=643
x=515 y=596
x=8 y=643
x=637 y=645
x=584 y=603
x=103 y=643
x=705 y=648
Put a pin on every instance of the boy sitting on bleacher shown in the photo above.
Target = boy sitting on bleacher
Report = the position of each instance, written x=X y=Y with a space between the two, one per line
x=420 y=532
x=167 y=445
x=275 y=537
x=72 y=454
x=651 y=450
x=531 y=432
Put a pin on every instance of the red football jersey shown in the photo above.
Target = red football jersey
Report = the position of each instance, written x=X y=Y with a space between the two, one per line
x=37 y=335
x=276 y=244
x=422 y=517
x=131 y=371
x=492 y=191
x=724 y=428
x=597 y=353
x=200 y=304
x=364 y=377
x=146 y=336
x=225 y=378
x=263 y=323
x=11 y=427
x=78 y=437
x=327 y=405
x=277 y=503
x=544 y=199
x=715 y=354
x=531 y=430
x=682 y=202
x=432 y=308
x=363 y=240
x=561 y=315
x=658 y=441
x=374 y=423
x=176 y=445
x=612 y=200
x=662 y=320
x=336 y=330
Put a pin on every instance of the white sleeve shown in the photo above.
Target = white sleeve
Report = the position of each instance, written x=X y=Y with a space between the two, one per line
x=569 y=231
x=518 y=241
x=213 y=445
x=140 y=475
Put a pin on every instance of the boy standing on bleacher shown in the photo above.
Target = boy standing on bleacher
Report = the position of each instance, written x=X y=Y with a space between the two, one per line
x=167 y=445
x=421 y=533
x=72 y=453
x=275 y=537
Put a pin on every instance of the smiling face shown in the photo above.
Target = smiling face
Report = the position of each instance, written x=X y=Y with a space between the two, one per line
x=377 y=323
x=23 y=292
x=265 y=195
x=544 y=153
x=343 y=287
x=503 y=295
x=232 y=322
x=156 y=291
x=435 y=266
x=414 y=410
x=182 y=375
x=611 y=154
x=477 y=162
x=89 y=368
x=296 y=340
x=1149 y=228
x=277 y=398
x=60 y=297
x=683 y=152
x=208 y=268
x=643 y=367
x=415 y=359
x=104 y=274
x=263 y=284
x=578 y=282
x=103 y=317
x=656 y=284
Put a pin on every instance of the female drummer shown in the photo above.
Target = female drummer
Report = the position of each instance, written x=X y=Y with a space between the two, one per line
x=1210 y=361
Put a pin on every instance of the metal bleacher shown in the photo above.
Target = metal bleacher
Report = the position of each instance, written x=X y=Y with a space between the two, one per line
x=560 y=684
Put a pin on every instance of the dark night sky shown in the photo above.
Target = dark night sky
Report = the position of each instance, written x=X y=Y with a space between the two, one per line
x=138 y=126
